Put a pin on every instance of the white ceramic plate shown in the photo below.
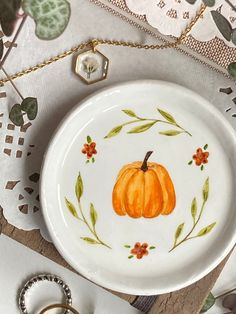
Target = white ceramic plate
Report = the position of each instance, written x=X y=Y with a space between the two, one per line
x=150 y=230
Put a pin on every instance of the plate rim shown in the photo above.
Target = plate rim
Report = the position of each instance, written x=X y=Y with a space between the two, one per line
x=82 y=271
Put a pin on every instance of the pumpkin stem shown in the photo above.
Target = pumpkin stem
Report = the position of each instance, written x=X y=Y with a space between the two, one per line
x=144 y=166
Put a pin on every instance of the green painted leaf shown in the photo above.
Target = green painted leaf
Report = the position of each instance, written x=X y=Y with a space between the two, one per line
x=90 y=240
x=127 y=246
x=202 y=167
x=206 y=230
x=30 y=106
x=16 y=115
x=131 y=256
x=141 y=128
x=116 y=130
x=71 y=208
x=191 y=1
x=209 y=3
x=205 y=146
x=222 y=24
x=87 y=161
x=170 y=132
x=190 y=162
x=232 y=70
x=205 y=190
x=51 y=16
x=93 y=159
x=79 y=188
x=152 y=247
x=89 y=140
x=179 y=231
x=210 y=301
x=8 y=15
x=1 y=48
x=167 y=116
x=129 y=112
x=93 y=214
x=194 y=209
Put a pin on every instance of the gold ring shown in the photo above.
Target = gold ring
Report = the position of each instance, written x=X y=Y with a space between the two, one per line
x=59 y=306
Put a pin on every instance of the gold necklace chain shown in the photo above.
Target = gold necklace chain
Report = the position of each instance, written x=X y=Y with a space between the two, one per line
x=95 y=42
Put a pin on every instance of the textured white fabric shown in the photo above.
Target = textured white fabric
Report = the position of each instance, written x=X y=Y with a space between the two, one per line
x=58 y=90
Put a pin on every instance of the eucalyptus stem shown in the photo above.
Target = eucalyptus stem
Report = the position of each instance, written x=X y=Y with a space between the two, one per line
x=13 y=84
x=187 y=237
x=92 y=230
x=225 y=293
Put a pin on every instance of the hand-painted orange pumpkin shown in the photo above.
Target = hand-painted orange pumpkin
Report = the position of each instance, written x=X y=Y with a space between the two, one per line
x=143 y=189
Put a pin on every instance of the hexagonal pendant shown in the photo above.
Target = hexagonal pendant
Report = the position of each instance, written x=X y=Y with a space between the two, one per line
x=91 y=66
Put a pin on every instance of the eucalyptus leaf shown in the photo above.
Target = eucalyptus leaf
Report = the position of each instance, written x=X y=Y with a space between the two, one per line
x=234 y=36
x=167 y=116
x=222 y=24
x=142 y=128
x=191 y=1
x=16 y=115
x=210 y=301
x=79 y=187
x=206 y=230
x=8 y=15
x=232 y=70
x=129 y=112
x=93 y=214
x=71 y=208
x=170 y=132
x=1 y=48
x=194 y=209
x=116 y=130
x=209 y=3
x=30 y=106
x=90 y=240
x=179 y=231
x=51 y=16
x=205 y=190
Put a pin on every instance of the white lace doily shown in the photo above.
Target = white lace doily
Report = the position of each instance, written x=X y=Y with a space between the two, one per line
x=171 y=17
x=19 y=182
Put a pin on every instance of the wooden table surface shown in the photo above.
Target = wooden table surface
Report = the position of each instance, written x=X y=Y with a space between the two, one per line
x=185 y=301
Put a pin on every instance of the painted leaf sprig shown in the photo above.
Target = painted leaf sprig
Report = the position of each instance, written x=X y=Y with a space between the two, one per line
x=51 y=16
x=28 y=107
x=79 y=189
x=196 y=218
x=147 y=123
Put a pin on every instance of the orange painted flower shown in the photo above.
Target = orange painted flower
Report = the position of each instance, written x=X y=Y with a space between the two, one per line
x=200 y=157
x=89 y=149
x=139 y=250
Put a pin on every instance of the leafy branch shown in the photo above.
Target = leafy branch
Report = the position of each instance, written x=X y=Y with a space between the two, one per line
x=196 y=219
x=169 y=119
x=93 y=215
